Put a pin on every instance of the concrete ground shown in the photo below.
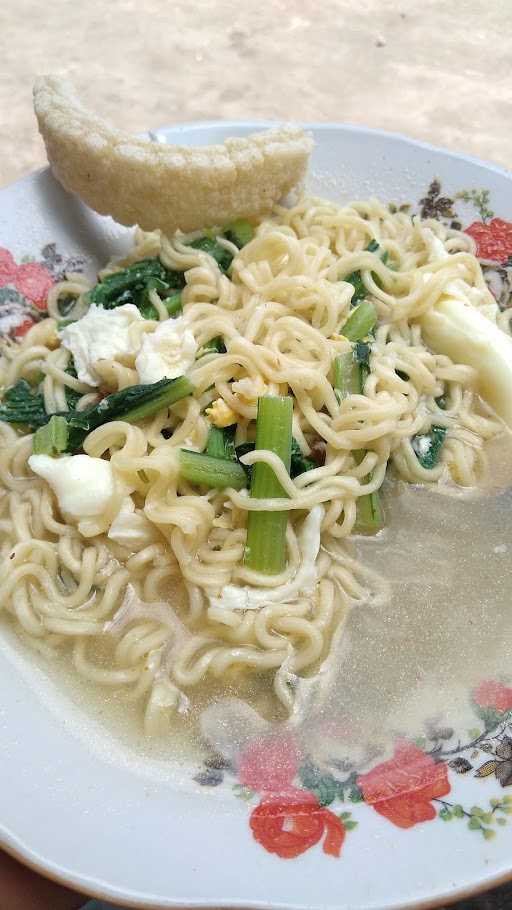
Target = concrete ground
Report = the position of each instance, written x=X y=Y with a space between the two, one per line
x=434 y=70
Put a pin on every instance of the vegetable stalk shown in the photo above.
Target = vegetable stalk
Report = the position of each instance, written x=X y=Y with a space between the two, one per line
x=266 y=531
x=216 y=473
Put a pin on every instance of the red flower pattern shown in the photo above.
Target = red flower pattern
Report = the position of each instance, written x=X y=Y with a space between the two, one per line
x=291 y=822
x=269 y=764
x=490 y=694
x=23 y=327
x=402 y=789
x=7 y=267
x=34 y=281
x=493 y=240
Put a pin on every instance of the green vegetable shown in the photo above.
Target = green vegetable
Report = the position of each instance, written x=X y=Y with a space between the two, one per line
x=72 y=397
x=208 y=471
x=442 y=402
x=209 y=245
x=66 y=305
x=370 y=514
x=132 y=404
x=298 y=462
x=53 y=438
x=221 y=443
x=356 y=280
x=240 y=232
x=427 y=446
x=138 y=401
x=23 y=406
x=132 y=285
x=215 y=345
x=266 y=531
x=360 y=322
x=351 y=370
x=402 y=375
x=172 y=304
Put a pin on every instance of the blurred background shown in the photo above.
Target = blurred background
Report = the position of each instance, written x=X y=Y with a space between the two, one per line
x=437 y=71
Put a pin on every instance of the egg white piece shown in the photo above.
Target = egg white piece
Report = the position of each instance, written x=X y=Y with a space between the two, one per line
x=84 y=487
x=100 y=335
x=166 y=353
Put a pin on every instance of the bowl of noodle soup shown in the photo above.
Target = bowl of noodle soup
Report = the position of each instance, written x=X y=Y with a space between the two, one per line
x=255 y=523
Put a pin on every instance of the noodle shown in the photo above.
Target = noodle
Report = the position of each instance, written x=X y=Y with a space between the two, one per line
x=159 y=610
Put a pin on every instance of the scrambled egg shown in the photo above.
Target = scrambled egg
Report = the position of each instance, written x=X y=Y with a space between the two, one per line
x=220 y=414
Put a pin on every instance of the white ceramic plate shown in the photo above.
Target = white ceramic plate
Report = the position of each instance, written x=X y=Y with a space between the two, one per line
x=146 y=833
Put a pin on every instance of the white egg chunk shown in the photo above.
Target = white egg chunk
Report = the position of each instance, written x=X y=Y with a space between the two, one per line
x=101 y=335
x=84 y=487
x=455 y=328
x=234 y=597
x=168 y=352
x=131 y=528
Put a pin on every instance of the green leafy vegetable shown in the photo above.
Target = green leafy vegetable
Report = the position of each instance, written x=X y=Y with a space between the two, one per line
x=209 y=245
x=370 y=513
x=172 y=304
x=134 y=403
x=133 y=284
x=215 y=345
x=355 y=279
x=266 y=531
x=53 y=438
x=240 y=232
x=72 y=397
x=351 y=370
x=21 y=405
x=360 y=322
x=300 y=463
x=427 y=446
x=208 y=471
x=221 y=443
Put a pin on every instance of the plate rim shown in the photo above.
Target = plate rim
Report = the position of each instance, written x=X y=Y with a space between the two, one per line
x=20 y=851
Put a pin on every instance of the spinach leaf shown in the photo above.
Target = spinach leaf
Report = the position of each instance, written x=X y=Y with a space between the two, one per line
x=215 y=345
x=132 y=285
x=357 y=282
x=21 y=405
x=72 y=397
x=222 y=257
x=299 y=462
x=427 y=446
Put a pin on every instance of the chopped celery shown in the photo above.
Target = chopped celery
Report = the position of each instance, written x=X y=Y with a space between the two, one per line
x=52 y=439
x=360 y=322
x=266 y=531
x=351 y=369
x=370 y=514
x=216 y=473
x=221 y=442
